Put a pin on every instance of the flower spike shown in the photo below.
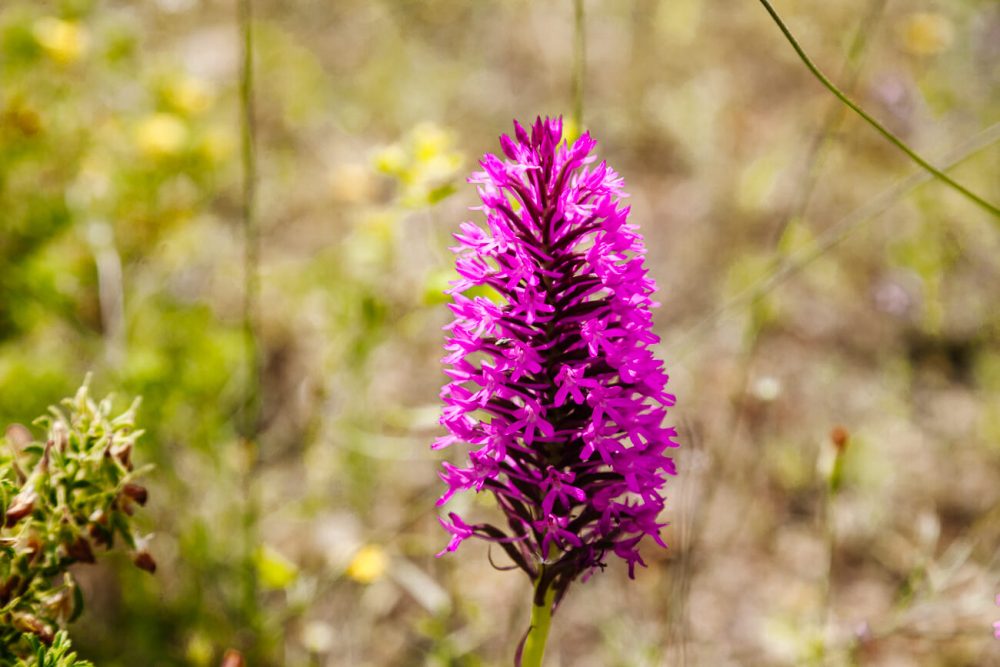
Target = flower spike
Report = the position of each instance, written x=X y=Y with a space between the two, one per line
x=552 y=381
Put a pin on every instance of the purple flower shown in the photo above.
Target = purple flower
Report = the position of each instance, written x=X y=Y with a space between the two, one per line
x=552 y=382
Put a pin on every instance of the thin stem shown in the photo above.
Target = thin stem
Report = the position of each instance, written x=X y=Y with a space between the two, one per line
x=249 y=418
x=896 y=141
x=538 y=633
x=832 y=488
x=834 y=117
x=579 y=62
x=110 y=290
x=830 y=542
x=251 y=238
x=829 y=239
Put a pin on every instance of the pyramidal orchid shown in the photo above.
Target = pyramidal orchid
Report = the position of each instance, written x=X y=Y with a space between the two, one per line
x=552 y=382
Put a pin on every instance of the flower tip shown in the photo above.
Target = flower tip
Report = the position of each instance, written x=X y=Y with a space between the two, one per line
x=521 y=133
x=556 y=128
x=589 y=142
x=508 y=146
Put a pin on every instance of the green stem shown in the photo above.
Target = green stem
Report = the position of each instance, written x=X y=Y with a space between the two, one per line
x=851 y=72
x=896 y=141
x=579 y=63
x=249 y=414
x=250 y=410
x=832 y=236
x=538 y=633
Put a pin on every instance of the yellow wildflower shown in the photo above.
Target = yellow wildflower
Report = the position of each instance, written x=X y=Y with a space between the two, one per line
x=926 y=33
x=188 y=95
x=368 y=565
x=161 y=135
x=64 y=41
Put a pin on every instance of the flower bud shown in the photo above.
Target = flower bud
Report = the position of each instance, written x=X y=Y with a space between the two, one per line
x=839 y=437
x=97 y=528
x=22 y=505
x=144 y=561
x=80 y=551
x=34 y=625
x=123 y=453
x=136 y=492
x=142 y=558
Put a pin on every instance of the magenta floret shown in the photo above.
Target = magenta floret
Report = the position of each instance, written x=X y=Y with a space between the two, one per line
x=552 y=383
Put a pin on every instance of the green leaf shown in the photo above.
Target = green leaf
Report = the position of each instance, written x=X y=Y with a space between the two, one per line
x=78 y=604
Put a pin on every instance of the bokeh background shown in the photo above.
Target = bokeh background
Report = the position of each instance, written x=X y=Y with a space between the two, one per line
x=806 y=285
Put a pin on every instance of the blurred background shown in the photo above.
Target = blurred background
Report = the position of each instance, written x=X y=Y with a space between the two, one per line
x=814 y=293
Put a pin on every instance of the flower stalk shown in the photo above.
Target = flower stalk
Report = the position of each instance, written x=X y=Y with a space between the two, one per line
x=538 y=632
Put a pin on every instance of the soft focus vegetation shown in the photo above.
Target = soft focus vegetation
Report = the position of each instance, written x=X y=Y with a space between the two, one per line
x=833 y=339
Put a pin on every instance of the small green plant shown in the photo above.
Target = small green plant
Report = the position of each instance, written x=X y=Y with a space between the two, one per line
x=62 y=499
x=58 y=654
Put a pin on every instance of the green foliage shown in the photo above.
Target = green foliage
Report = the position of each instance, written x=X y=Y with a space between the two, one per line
x=63 y=499
x=58 y=654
